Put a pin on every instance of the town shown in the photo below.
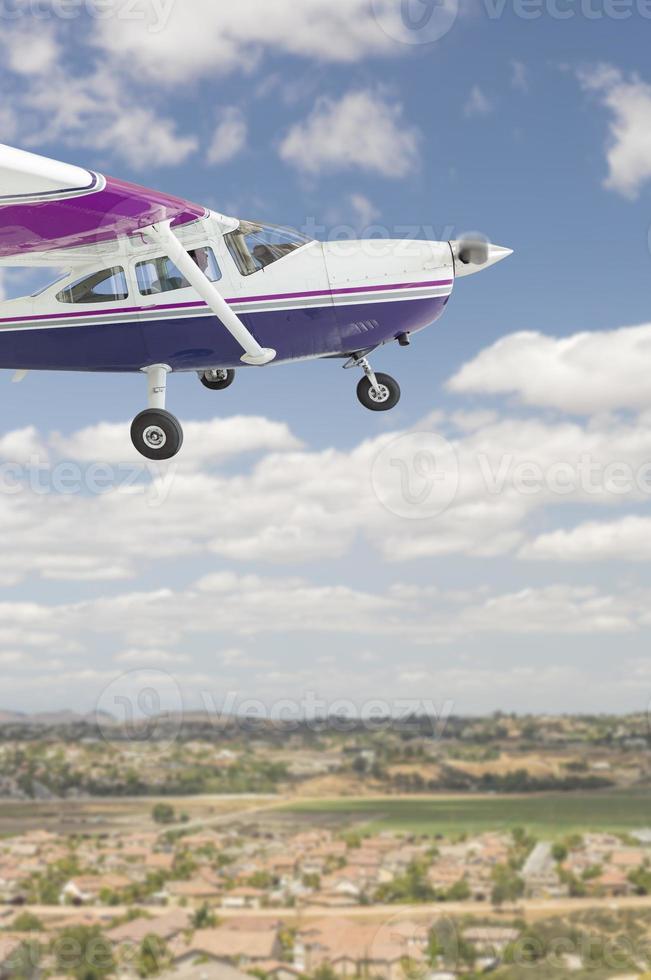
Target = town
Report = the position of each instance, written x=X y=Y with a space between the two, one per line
x=405 y=853
x=285 y=904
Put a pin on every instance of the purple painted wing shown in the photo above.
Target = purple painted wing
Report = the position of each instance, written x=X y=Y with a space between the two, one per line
x=46 y=205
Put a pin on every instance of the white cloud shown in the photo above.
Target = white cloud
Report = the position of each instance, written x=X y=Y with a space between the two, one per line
x=233 y=436
x=139 y=657
x=8 y=124
x=123 y=516
x=626 y=539
x=363 y=131
x=364 y=209
x=101 y=112
x=32 y=51
x=629 y=149
x=586 y=373
x=230 y=136
x=144 y=139
x=478 y=103
x=219 y=38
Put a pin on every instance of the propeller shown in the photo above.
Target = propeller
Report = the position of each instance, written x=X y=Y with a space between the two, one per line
x=473 y=251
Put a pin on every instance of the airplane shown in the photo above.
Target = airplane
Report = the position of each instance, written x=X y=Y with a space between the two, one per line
x=158 y=285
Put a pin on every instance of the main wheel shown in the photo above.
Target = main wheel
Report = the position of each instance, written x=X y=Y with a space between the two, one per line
x=385 y=397
x=218 y=379
x=156 y=434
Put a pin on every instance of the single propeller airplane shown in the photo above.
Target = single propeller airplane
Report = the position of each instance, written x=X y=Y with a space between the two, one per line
x=157 y=284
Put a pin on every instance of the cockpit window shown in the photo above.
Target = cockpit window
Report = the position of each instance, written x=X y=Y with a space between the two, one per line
x=100 y=287
x=254 y=247
x=162 y=276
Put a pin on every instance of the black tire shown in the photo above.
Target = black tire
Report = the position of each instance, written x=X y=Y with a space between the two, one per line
x=390 y=393
x=155 y=425
x=217 y=384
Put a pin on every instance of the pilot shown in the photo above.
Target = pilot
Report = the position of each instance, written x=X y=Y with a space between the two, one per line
x=201 y=258
x=263 y=255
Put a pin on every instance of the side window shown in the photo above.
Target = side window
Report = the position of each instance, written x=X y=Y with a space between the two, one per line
x=100 y=287
x=162 y=276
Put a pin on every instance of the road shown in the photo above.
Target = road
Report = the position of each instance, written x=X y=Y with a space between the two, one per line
x=529 y=909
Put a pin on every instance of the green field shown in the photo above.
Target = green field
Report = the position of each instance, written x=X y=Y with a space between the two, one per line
x=549 y=814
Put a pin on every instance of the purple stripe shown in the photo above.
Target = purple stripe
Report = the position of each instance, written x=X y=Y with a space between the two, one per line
x=232 y=300
x=344 y=292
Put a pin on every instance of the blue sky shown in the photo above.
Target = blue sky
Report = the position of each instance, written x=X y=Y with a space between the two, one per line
x=263 y=563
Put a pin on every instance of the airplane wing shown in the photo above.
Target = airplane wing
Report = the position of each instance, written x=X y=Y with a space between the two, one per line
x=50 y=207
x=46 y=205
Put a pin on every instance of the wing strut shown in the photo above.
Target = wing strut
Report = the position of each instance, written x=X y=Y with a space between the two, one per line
x=163 y=235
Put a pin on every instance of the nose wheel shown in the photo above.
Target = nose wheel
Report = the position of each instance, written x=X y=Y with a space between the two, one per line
x=156 y=433
x=377 y=392
x=381 y=396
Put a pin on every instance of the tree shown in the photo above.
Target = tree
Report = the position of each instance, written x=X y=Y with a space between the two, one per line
x=153 y=956
x=559 y=852
x=204 y=918
x=641 y=879
x=325 y=972
x=458 y=892
x=27 y=922
x=25 y=962
x=84 y=952
x=163 y=813
x=508 y=886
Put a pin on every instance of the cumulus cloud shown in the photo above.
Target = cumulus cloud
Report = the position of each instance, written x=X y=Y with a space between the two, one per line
x=230 y=135
x=627 y=539
x=629 y=148
x=271 y=620
x=584 y=373
x=30 y=52
x=100 y=112
x=220 y=38
x=363 y=130
x=288 y=503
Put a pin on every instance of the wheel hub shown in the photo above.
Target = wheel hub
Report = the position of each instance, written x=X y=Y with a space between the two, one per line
x=379 y=394
x=154 y=437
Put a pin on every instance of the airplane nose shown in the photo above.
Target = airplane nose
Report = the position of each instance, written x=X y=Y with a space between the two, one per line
x=472 y=256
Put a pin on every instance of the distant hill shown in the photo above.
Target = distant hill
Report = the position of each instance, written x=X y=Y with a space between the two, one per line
x=65 y=717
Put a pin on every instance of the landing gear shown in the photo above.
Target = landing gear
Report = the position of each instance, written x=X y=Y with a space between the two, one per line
x=217 y=379
x=156 y=433
x=377 y=392
x=382 y=396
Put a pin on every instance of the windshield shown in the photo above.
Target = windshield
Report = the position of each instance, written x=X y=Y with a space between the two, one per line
x=254 y=247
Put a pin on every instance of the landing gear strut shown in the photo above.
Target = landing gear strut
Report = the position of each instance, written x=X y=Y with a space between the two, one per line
x=377 y=392
x=156 y=433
